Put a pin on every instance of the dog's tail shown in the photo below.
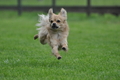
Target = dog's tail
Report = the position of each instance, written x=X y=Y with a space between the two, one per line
x=44 y=21
x=43 y=24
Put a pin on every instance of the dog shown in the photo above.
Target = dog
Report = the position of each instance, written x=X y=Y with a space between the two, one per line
x=54 y=30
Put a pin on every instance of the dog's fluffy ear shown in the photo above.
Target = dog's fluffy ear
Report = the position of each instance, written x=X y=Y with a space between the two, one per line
x=50 y=13
x=63 y=13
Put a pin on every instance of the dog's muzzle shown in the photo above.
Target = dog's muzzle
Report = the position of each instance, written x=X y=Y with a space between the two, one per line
x=54 y=26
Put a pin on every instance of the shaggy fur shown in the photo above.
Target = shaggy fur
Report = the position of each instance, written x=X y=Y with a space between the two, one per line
x=54 y=30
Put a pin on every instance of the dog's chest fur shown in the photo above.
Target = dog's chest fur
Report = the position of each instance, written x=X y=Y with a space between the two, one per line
x=55 y=38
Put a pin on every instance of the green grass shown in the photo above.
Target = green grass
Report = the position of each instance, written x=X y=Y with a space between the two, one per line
x=62 y=2
x=94 y=49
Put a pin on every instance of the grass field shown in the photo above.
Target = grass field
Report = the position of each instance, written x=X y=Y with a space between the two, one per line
x=94 y=49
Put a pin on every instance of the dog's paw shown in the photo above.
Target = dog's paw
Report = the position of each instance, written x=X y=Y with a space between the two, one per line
x=64 y=48
x=59 y=57
x=36 y=36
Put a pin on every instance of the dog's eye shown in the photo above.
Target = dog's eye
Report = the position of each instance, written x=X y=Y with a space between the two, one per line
x=58 y=21
x=51 y=21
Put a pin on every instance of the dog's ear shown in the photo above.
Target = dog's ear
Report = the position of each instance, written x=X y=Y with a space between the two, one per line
x=63 y=13
x=50 y=13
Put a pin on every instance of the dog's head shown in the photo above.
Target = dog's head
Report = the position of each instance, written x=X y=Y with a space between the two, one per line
x=57 y=21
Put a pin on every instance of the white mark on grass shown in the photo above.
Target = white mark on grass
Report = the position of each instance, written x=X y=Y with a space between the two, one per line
x=15 y=61
x=6 y=61
x=18 y=60
x=11 y=61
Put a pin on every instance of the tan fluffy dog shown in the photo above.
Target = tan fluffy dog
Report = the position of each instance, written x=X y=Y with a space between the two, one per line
x=54 y=30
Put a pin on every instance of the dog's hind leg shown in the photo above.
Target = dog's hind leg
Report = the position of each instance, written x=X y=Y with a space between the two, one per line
x=43 y=39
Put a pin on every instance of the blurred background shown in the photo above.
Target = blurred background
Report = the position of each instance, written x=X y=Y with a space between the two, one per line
x=86 y=6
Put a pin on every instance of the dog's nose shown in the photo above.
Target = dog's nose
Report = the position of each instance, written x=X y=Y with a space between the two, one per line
x=54 y=24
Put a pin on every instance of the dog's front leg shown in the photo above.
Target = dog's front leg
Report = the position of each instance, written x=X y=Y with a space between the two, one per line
x=64 y=44
x=55 y=52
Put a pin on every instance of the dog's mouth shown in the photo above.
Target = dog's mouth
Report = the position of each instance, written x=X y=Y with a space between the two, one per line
x=54 y=26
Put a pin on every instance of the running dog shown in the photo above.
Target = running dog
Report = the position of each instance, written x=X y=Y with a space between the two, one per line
x=54 y=30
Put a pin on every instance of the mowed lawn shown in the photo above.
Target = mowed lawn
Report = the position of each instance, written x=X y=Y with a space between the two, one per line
x=94 y=49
